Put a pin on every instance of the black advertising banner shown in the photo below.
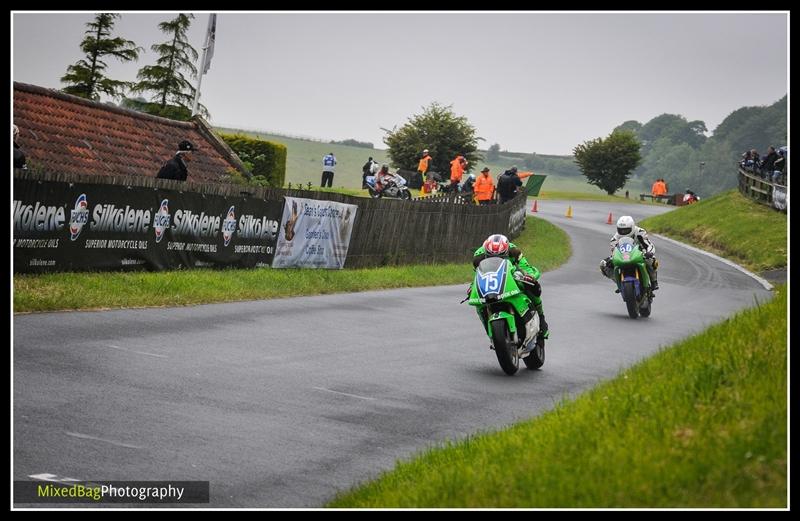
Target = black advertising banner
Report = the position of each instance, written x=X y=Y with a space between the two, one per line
x=76 y=227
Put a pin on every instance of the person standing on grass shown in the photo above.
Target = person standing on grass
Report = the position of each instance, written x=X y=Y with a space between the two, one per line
x=328 y=169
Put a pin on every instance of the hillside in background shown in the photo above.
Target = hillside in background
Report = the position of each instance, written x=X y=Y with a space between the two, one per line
x=304 y=164
x=678 y=150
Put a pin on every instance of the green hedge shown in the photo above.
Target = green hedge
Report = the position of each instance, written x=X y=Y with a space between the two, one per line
x=265 y=159
x=169 y=111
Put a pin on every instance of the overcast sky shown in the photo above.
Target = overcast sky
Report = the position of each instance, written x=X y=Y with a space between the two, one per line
x=532 y=82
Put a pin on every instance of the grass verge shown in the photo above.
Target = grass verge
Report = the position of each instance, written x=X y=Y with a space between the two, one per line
x=731 y=226
x=701 y=424
x=546 y=246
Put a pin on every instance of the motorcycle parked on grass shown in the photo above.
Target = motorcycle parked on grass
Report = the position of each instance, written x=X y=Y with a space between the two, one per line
x=396 y=190
x=506 y=313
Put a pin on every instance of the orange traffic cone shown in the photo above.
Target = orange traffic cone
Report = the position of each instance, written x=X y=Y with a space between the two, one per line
x=609 y=219
x=569 y=212
x=535 y=207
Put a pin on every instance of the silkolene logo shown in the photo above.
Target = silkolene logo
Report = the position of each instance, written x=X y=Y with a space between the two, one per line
x=161 y=220
x=229 y=226
x=78 y=217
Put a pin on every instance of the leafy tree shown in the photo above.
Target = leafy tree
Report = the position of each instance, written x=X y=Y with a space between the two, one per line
x=493 y=154
x=165 y=79
x=632 y=125
x=755 y=127
x=87 y=78
x=673 y=127
x=608 y=163
x=438 y=129
x=673 y=163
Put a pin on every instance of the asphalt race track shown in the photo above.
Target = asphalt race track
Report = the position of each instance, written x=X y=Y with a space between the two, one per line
x=283 y=403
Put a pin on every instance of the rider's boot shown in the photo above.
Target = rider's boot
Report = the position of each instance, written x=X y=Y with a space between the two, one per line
x=651 y=271
x=544 y=331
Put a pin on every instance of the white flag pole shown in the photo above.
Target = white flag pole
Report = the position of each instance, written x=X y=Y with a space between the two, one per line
x=206 y=45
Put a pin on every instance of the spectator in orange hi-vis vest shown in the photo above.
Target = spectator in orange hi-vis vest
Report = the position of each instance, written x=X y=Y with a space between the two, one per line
x=457 y=167
x=659 y=188
x=484 y=188
x=424 y=163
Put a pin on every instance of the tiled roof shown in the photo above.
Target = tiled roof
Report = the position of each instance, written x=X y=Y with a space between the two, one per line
x=66 y=134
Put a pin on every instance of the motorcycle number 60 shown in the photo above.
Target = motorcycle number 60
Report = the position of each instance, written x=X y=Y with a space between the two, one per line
x=626 y=248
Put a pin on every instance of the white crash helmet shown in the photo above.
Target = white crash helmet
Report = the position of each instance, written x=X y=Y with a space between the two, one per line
x=625 y=226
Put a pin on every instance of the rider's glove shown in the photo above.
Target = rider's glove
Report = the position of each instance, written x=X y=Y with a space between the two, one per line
x=649 y=255
x=524 y=277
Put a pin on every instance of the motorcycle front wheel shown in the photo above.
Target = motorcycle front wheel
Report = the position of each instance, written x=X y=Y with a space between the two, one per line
x=629 y=296
x=504 y=347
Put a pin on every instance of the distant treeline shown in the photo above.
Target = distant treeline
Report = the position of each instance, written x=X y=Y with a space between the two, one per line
x=550 y=164
x=353 y=143
x=678 y=150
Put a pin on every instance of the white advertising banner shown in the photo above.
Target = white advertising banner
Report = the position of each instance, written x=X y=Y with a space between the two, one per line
x=314 y=234
x=779 y=198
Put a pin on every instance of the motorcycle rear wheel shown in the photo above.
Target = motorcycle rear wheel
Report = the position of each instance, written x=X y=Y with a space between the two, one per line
x=646 y=307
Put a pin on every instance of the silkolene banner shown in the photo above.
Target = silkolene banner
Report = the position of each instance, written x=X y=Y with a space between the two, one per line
x=314 y=234
x=76 y=227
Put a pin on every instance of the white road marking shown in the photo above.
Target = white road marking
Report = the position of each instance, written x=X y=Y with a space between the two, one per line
x=112 y=442
x=133 y=351
x=345 y=394
x=760 y=280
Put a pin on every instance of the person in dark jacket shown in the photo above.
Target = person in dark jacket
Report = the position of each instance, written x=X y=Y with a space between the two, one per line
x=507 y=184
x=19 y=155
x=366 y=170
x=769 y=161
x=177 y=168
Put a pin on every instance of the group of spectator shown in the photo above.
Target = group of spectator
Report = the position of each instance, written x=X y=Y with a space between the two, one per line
x=483 y=187
x=772 y=167
x=659 y=189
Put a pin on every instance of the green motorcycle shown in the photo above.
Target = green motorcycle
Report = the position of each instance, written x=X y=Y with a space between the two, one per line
x=633 y=281
x=507 y=315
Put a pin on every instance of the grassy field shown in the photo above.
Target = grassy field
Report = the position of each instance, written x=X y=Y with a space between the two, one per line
x=730 y=225
x=701 y=424
x=304 y=165
x=545 y=245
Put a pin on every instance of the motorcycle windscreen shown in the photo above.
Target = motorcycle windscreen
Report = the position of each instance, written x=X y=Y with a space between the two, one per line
x=627 y=257
x=490 y=277
x=625 y=250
